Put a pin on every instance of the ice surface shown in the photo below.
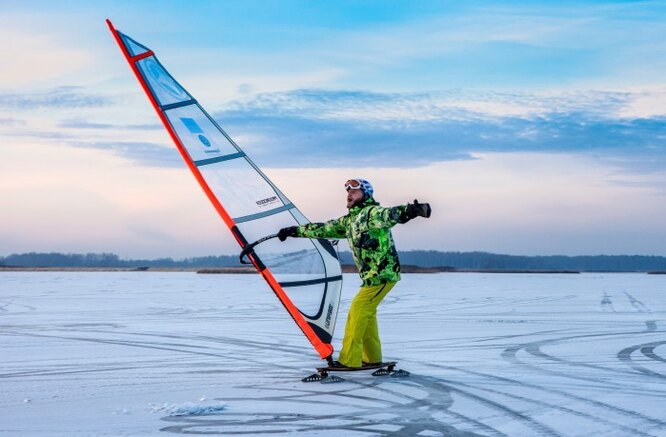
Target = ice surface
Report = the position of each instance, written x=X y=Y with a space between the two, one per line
x=148 y=353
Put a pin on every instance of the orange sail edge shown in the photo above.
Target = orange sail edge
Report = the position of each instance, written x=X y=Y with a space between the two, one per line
x=325 y=350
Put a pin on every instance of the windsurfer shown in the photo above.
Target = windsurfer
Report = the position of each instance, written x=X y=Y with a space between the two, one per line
x=367 y=227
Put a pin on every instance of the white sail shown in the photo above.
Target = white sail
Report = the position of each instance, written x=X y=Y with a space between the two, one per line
x=304 y=274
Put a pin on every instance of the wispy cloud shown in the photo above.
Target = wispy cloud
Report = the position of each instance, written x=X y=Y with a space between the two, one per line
x=83 y=124
x=61 y=97
x=433 y=105
x=27 y=132
x=322 y=128
x=11 y=122
x=145 y=153
x=314 y=127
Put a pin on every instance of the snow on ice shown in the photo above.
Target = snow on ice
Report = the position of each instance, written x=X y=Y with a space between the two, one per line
x=155 y=353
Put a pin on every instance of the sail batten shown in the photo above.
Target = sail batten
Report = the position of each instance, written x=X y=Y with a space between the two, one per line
x=178 y=105
x=248 y=202
x=311 y=281
x=259 y=215
x=215 y=160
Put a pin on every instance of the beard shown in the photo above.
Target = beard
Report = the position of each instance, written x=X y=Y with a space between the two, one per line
x=355 y=202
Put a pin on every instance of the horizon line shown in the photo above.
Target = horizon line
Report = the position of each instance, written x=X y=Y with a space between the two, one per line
x=120 y=258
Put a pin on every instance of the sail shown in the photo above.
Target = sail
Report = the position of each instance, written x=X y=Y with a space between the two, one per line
x=304 y=274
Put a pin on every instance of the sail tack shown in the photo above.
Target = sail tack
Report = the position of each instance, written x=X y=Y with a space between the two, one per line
x=304 y=274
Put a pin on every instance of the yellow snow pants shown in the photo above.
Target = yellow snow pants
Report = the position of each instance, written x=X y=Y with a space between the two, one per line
x=361 y=341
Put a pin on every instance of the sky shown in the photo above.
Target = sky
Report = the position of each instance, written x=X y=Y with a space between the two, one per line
x=532 y=127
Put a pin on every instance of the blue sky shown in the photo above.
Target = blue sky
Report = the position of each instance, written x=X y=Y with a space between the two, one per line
x=532 y=127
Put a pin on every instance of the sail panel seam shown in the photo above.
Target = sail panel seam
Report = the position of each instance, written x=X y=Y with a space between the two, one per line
x=311 y=281
x=217 y=159
x=178 y=104
x=248 y=218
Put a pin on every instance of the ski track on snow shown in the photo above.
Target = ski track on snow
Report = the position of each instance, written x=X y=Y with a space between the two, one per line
x=525 y=381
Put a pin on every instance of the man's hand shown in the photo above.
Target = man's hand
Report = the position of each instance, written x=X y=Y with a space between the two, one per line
x=287 y=232
x=417 y=209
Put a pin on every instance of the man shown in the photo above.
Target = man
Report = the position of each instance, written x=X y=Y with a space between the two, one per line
x=367 y=227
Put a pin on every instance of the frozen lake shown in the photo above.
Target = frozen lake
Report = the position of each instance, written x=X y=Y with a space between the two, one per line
x=151 y=353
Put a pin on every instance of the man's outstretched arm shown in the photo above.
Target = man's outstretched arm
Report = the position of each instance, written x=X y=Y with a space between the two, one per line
x=331 y=229
x=388 y=217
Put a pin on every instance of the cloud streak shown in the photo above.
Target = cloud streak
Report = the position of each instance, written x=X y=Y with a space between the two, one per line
x=316 y=128
x=83 y=124
x=9 y=121
x=61 y=97
x=145 y=153
x=320 y=128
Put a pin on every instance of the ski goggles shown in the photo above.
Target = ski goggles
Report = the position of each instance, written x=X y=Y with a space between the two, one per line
x=353 y=184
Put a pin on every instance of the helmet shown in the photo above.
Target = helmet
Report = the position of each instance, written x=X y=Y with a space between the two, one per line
x=360 y=184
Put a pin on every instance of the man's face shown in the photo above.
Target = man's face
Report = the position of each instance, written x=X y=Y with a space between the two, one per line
x=354 y=197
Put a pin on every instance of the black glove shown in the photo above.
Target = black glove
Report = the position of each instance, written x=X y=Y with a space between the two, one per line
x=287 y=232
x=417 y=209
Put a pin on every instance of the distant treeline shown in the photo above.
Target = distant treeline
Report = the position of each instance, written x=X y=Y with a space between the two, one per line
x=421 y=258
x=112 y=260
x=492 y=261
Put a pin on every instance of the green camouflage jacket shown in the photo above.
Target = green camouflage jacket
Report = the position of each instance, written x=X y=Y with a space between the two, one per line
x=367 y=227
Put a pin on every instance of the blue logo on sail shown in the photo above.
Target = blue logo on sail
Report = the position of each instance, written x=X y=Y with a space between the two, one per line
x=195 y=129
x=191 y=125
